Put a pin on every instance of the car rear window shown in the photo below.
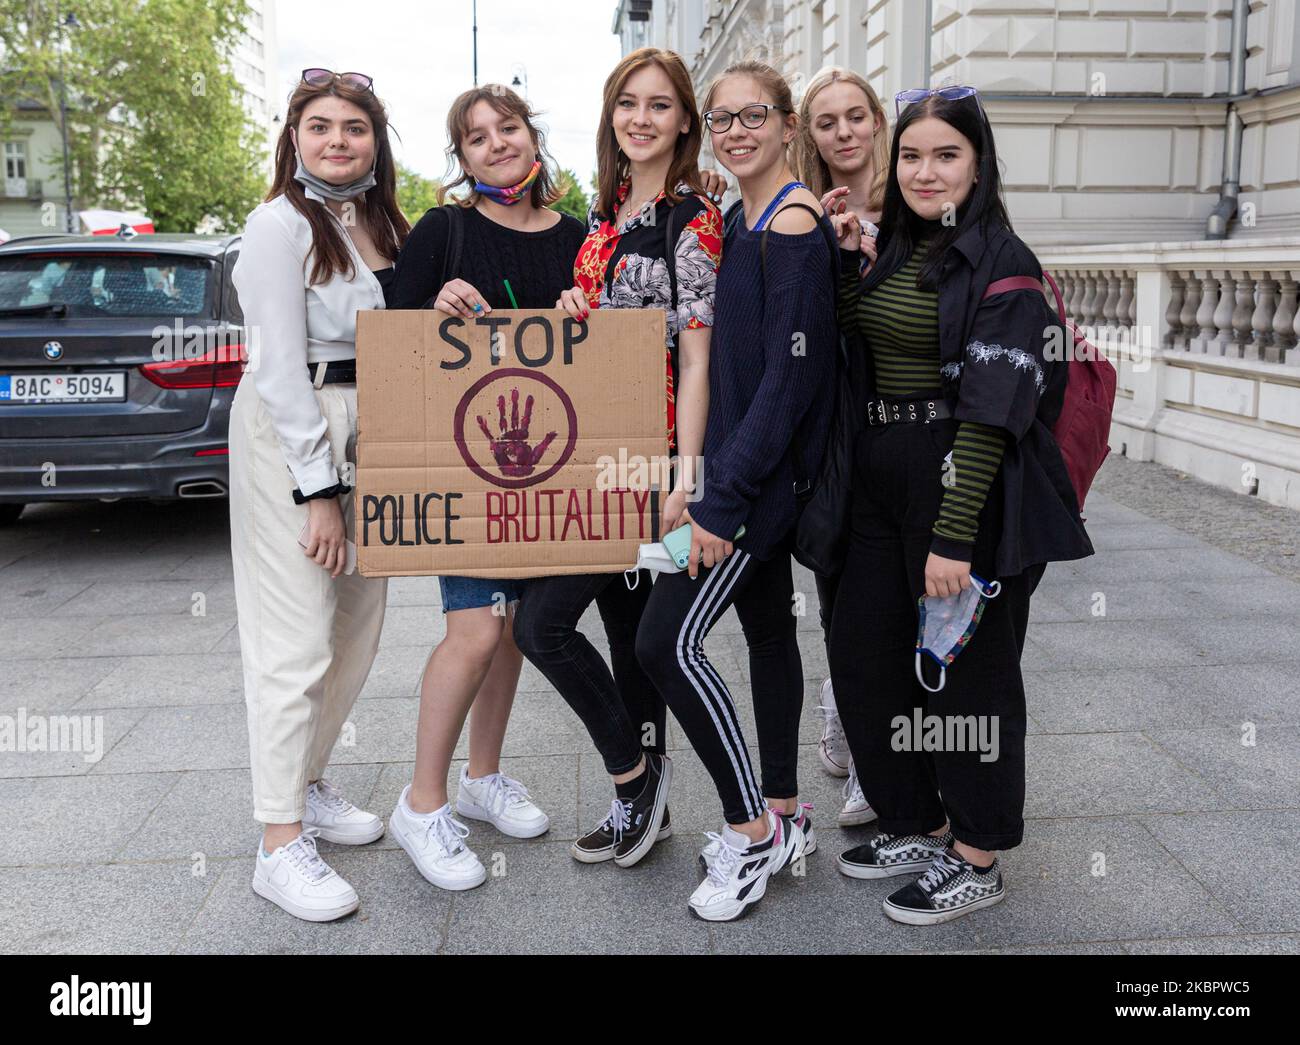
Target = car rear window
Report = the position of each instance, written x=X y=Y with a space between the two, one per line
x=103 y=284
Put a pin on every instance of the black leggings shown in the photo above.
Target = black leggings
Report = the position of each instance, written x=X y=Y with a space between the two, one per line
x=896 y=496
x=623 y=712
x=670 y=646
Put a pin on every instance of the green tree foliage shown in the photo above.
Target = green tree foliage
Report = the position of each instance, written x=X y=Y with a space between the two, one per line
x=415 y=193
x=155 y=117
x=574 y=201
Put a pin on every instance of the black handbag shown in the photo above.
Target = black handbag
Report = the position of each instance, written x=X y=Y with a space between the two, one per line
x=822 y=532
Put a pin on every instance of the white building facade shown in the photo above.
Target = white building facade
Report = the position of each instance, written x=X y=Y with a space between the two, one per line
x=1111 y=118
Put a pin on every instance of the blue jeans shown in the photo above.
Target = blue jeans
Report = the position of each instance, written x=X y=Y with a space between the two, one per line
x=471 y=593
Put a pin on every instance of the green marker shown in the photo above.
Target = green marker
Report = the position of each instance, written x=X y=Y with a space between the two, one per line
x=510 y=292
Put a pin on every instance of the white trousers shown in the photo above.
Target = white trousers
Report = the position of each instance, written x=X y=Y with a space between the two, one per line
x=307 y=640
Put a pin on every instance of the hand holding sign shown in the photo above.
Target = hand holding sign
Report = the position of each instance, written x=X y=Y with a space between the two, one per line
x=511 y=451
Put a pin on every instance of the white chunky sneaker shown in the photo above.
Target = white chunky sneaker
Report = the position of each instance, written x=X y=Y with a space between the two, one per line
x=336 y=819
x=502 y=802
x=833 y=747
x=298 y=880
x=801 y=840
x=738 y=875
x=435 y=842
x=856 y=808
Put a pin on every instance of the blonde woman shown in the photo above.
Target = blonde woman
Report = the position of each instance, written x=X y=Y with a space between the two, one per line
x=842 y=154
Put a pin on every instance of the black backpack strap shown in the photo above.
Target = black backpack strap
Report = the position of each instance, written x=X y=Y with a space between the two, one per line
x=677 y=220
x=452 y=249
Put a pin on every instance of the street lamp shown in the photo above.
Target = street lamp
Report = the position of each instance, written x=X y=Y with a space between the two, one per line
x=64 y=24
x=521 y=70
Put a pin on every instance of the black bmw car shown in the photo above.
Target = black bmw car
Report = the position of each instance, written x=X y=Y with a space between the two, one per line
x=119 y=358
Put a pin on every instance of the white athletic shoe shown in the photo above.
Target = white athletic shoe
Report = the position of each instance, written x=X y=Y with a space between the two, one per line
x=737 y=877
x=856 y=808
x=502 y=802
x=336 y=819
x=298 y=880
x=801 y=839
x=833 y=747
x=435 y=842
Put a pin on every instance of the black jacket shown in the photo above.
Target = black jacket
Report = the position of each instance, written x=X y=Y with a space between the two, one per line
x=994 y=370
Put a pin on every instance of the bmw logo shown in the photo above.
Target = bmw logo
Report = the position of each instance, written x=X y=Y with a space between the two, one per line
x=53 y=350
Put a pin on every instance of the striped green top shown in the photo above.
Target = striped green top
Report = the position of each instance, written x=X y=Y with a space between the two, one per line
x=900 y=324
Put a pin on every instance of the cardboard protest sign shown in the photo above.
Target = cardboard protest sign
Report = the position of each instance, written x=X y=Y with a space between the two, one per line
x=492 y=447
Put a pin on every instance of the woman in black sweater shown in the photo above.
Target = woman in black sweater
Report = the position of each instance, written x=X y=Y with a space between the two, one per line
x=501 y=246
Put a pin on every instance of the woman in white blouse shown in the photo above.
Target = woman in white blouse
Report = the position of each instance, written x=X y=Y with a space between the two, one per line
x=315 y=252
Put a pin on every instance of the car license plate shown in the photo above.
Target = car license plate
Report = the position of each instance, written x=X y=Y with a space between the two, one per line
x=63 y=388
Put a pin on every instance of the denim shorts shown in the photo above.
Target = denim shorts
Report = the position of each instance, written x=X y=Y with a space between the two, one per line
x=471 y=593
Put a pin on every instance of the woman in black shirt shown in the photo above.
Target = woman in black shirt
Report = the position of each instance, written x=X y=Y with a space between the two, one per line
x=500 y=246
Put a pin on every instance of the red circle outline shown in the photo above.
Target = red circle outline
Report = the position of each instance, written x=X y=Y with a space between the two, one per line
x=458 y=432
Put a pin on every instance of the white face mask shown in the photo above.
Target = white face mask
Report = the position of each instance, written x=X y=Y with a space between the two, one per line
x=652 y=557
x=947 y=624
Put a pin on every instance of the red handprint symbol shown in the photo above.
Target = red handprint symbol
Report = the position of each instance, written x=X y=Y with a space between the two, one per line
x=511 y=451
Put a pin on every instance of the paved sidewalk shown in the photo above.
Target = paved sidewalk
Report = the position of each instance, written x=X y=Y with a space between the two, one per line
x=1136 y=758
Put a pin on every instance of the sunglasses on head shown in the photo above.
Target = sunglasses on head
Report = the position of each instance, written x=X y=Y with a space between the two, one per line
x=320 y=77
x=919 y=94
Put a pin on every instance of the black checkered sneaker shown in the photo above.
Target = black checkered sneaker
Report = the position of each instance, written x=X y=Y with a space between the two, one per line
x=951 y=888
x=887 y=855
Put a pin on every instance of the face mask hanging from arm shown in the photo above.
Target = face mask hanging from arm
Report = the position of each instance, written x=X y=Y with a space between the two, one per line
x=947 y=624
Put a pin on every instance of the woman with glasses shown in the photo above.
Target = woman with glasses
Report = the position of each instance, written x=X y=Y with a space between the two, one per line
x=842 y=155
x=957 y=481
x=654 y=240
x=319 y=249
x=770 y=380
x=499 y=244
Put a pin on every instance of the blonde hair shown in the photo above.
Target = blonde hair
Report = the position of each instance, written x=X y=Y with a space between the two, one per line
x=810 y=168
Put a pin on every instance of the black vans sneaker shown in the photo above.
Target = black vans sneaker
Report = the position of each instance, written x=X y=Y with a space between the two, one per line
x=597 y=845
x=951 y=888
x=887 y=855
x=637 y=829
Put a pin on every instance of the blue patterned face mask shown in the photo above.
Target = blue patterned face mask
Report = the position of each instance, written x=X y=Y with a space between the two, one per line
x=947 y=624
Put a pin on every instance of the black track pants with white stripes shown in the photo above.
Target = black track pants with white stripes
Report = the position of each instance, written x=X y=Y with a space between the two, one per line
x=670 y=646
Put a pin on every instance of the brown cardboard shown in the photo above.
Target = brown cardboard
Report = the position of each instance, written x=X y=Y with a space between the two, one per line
x=424 y=380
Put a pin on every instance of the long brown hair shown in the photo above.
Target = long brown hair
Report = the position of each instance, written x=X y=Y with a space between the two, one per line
x=769 y=80
x=379 y=212
x=811 y=169
x=612 y=165
x=545 y=190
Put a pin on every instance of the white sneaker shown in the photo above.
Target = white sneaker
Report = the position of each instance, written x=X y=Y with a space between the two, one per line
x=833 y=747
x=801 y=840
x=338 y=820
x=856 y=808
x=299 y=881
x=502 y=802
x=435 y=842
x=738 y=876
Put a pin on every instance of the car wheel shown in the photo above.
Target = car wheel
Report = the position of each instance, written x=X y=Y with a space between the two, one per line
x=9 y=513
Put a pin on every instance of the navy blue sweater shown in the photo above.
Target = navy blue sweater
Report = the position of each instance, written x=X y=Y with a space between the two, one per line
x=771 y=372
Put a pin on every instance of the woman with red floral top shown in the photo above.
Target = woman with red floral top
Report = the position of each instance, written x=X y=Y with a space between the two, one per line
x=654 y=240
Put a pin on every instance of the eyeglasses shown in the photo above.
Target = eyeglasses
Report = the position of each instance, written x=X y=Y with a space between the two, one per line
x=920 y=94
x=751 y=116
x=320 y=77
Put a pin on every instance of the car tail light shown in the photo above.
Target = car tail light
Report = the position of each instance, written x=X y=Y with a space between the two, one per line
x=220 y=368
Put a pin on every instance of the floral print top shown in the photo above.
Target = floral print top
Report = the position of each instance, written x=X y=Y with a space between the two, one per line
x=627 y=268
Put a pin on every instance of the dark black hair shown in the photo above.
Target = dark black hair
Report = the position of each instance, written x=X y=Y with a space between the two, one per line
x=901 y=227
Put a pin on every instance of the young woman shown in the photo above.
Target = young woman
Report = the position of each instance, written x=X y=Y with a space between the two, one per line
x=842 y=155
x=770 y=374
x=957 y=481
x=510 y=242
x=319 y=249
x=653 y=241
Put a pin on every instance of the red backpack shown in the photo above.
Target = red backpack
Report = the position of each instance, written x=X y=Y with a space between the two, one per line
x=1082 y=430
